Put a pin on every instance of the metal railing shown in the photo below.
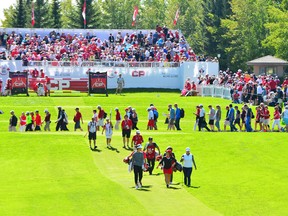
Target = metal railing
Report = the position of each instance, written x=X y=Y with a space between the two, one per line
x=99 y=63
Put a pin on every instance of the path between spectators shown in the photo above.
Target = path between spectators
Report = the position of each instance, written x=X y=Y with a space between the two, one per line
x=154 y=195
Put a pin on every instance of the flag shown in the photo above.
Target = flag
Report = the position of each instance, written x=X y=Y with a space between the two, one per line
x=134 y=15
x=176 y=17
x=32 y=17
x=84 y=12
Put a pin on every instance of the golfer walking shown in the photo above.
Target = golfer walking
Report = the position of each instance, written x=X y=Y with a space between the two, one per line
x=188 y=162
x=138 y=164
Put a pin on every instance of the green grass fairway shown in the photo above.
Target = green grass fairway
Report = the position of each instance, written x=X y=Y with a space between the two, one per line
x=55 y=173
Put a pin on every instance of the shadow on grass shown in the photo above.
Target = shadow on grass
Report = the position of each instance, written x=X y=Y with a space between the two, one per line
x=174 y=188
x=195 y=187
x=96 y=150
x=113 y=149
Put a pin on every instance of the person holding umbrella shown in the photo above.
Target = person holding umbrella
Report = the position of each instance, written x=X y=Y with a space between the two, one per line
x=188 y=162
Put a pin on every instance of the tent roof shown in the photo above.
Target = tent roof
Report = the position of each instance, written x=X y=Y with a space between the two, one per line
x=268 y=60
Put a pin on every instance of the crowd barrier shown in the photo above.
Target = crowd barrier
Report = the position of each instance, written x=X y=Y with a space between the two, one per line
x=100 y=63
x=214 y=91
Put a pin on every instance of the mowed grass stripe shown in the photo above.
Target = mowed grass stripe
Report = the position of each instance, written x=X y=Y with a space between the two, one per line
x=56 y=176
x=154 y=195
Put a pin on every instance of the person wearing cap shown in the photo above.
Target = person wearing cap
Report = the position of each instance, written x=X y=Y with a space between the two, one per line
x=101 y=116
x=22 y=122
x=138 y=161
x=177 y=116
x=276 y=118
x=259 y=91
x=226 y=122
x=202 y=122
x=171 y=124
x=92 y=129
x=137 y=139
x=120 y=84
x=150 y=148
x=248 y=117
x=108 y=127
x=188 y=162
x=59 y=118
x=134 y=119
x=38 y=121
x=77 y=118
x=47 y=120
x=167 y=163
x=284 y=116
x=29 y=122
x=117 y=118
x=13 y=121
x=126 y=126
x=279 y=96
x=211 y=115
x=150 y=124
x=218 y=114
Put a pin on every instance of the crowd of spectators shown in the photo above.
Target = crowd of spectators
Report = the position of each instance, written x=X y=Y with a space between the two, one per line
x=249 y=88
x=161 y=45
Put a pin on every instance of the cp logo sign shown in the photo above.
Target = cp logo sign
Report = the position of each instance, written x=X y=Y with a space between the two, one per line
x=138 y=73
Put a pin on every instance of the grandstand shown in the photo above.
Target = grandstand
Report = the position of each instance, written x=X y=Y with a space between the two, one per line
x=162 y=56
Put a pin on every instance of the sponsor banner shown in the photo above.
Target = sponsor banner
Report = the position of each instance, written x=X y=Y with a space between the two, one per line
x=5 y=67
x=19 y=82
x=98 y=82
x=135 y=77
x=61 y=84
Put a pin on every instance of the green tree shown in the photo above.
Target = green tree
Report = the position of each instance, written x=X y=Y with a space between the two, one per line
x=65 y=20
x=55 y=15
x=276 y=41
x=153 y=13
x=245 y=31
x=117 y=14
x=41 y=13
x=8 y=21
x=20 y=15
x=93 y=15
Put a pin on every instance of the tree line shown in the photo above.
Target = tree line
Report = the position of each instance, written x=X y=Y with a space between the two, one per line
x=237 y=31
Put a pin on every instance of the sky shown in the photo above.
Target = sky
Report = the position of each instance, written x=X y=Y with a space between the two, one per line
x=5 y=4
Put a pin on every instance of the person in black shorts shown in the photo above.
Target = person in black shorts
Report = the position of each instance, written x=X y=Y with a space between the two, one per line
x=126 y=126
x=92 y=133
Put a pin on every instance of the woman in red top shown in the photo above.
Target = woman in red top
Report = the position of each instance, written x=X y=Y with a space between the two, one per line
x=22 y=122
x=167 y=163
x=118 y=119
x=126 y=131
x=38 y=121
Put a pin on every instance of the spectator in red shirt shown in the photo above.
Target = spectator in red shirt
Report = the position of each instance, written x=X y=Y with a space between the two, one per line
x=101 y=117
x=285 y=82
x=77 y=118
x=48 y=85
x=273 y=85
x=266 y=116
x=137 y=139
x=276 y=121
x=118 y=118
x=126 y=126
x=38 y=121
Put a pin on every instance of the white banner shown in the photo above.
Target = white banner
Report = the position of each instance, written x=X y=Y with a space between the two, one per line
x=135 y=77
